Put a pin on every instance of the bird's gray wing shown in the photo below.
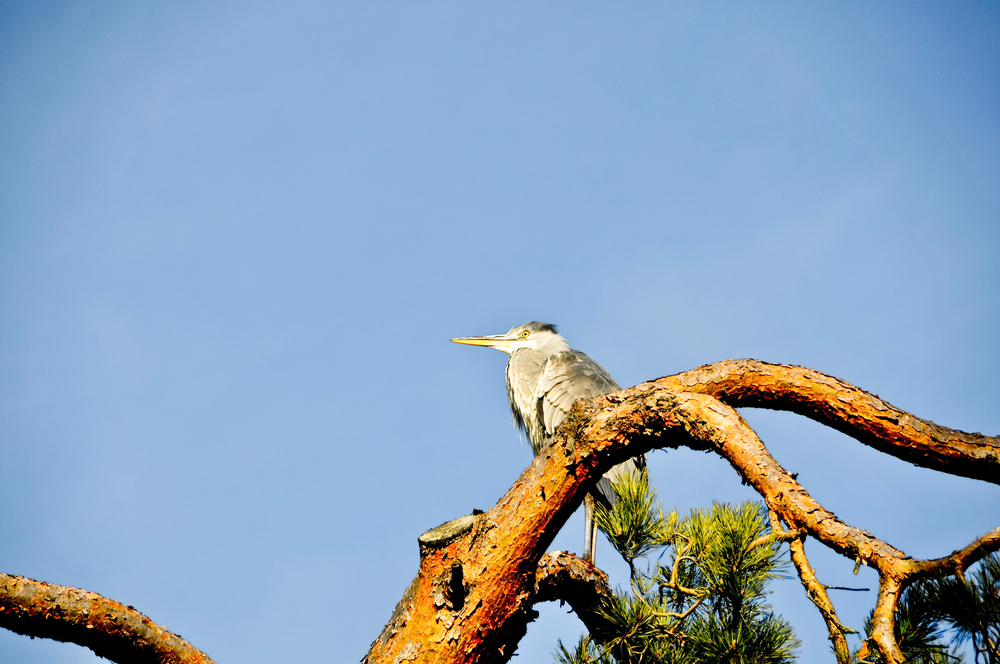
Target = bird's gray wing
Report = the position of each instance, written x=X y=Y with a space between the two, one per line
x=566 y=377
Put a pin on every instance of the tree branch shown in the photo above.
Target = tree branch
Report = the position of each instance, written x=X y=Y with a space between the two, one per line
x=959 y=561
x=777 y=535
x=564 y=577
x=479 y=576
x=733 y=439
x=500 y=551
x=109 y=628
x=884 y=618
x=846 y=408
x=816 y=592
x=709 y=421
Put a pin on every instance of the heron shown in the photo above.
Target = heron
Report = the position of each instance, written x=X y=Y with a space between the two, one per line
x=544 y=377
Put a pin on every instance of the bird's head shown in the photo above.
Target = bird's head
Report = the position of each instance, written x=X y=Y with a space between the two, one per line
x=534 y=335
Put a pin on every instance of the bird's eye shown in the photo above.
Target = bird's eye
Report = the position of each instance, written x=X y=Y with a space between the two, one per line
x=525 y=334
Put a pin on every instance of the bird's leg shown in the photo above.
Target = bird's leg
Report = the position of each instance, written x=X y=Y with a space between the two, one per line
x=589 y=530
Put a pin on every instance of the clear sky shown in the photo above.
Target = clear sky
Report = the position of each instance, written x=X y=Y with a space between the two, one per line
x=235 y=239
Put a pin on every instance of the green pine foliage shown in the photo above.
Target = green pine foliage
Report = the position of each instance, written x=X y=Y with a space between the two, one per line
x=918 y=634
x=701 y=599
x=585 y=652
x=698 y=584
x=969 y=608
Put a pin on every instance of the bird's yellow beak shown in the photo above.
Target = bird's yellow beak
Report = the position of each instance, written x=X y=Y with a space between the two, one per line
x=499 y=341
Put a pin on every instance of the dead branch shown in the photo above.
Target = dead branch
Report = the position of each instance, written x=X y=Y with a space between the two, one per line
x=112 y=630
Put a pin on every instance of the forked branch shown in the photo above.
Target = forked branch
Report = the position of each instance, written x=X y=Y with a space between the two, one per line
x=500 y=553
x=480 y=575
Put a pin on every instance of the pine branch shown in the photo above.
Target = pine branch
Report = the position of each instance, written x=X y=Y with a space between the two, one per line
x=111 y=629
x=500 y=553
x=846 y=408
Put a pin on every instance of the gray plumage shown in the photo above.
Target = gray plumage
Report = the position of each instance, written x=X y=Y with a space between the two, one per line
x=544 y=377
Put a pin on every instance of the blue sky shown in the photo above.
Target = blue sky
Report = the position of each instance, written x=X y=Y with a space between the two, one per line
x=235 y=239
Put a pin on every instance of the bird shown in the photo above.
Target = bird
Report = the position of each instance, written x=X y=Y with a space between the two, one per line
x=545 y=376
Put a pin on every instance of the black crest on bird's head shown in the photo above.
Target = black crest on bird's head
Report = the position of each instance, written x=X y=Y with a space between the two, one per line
x=537 y=326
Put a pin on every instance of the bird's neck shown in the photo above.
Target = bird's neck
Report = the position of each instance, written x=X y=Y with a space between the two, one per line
x=552 y=346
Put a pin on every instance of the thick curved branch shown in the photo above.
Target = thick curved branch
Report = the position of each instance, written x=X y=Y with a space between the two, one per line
x=842 y=406
x=111 y=629
x=707 y=420
x=468 y=602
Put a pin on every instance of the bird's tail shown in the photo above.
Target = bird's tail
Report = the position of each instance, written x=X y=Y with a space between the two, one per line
x=605 y=493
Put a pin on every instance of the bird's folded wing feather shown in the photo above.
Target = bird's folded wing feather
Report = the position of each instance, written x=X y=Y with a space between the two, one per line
x=566 y=377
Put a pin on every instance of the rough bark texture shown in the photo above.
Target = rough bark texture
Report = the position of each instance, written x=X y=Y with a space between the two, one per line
x=564 y=577
x=112 y=630
x=480 y=575
x=817 y=593
x=499 y=553
x=472 y=597
x=844 y=407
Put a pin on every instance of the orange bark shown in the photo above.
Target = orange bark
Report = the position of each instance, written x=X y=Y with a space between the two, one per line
x=842 y=406
x=499 y=551
x=109 y=628
x=480 y=575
